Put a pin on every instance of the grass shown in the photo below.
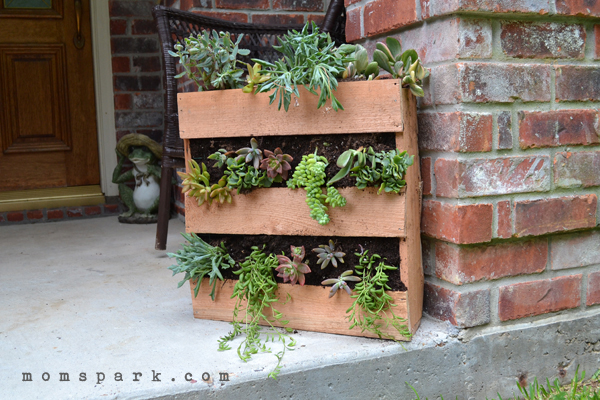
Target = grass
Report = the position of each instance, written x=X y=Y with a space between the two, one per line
x=578 y=389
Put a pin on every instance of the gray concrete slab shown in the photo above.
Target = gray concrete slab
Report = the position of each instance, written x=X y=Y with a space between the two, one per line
x=93 y=297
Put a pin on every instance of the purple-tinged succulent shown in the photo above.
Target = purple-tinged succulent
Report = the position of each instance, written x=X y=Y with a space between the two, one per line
x=327 y=253
x=276 y=164
x=293 y=270
x=340 y=282
x=251 y=154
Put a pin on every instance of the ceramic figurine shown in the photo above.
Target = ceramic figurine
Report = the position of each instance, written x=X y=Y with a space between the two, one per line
x=142 y=201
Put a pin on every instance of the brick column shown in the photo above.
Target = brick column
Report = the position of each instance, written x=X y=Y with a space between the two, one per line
x=510 y=151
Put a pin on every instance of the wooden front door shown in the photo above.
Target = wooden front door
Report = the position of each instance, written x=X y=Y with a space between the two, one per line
x=47 y=106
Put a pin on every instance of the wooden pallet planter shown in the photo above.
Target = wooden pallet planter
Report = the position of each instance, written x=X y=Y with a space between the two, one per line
x=373 y=106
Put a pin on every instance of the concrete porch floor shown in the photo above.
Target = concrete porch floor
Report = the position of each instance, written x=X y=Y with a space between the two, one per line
x=93 y=297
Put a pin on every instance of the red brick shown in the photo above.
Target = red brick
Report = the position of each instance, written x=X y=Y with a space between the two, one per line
x=504 y=219
x=243 y=4
x=120 y=64
x=317 y=18
x=138 y=44
x=426 y=175
x=180 y=210
x=143 y=27
x=298 y=5
x=449 y=39
x=227 y=16
x=15 y=216
x=111 y=209
x=577 y=83
x=386 y=15
x=277 y=19
x=2 y=219
x=456 y=131
x=457 y=224
x=593 y=289
x=353 y=25
x=575 y=250
x=122 y=101
x=146 y=64
x=538 y=217
x=35 y=214
x=55 y=214
x=597 y=36
x=185 y=5
x=122 y=8
x=74 y=212
x=505 y=139
x=432 y=8
x=539 y=297
x=93 y=210
x=492 y=176
x=577 y=169
x=460 y=265
x=542 y=40
x=558 y=128
x=446 y=177
x=118 y=27
x=492 y=82
x=585 y=8
x=349 y=2
x=461 y=309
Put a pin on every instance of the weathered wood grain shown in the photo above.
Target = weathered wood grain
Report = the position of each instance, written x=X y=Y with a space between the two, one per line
x=308 y=309
x=369 y=106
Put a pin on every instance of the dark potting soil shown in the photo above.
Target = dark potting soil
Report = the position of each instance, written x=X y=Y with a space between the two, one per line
x=330 y=146
x=239 y=247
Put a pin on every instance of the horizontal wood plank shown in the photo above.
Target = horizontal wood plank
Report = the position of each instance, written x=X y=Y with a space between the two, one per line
x=369 y=106
x=282 y=211
x=309 y=308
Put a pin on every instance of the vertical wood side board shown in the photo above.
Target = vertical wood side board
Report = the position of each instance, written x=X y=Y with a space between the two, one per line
x=366 y=214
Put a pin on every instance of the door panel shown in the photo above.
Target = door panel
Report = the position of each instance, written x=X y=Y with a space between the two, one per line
x=47 y=96
x=36 y=115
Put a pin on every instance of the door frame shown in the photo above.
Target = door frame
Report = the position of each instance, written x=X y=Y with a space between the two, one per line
x=103 y=84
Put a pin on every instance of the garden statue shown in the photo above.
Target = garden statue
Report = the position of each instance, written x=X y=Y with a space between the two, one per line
x=142 y=201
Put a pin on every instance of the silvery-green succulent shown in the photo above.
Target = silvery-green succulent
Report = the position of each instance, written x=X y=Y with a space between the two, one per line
x=327 y=253
x=341 y=282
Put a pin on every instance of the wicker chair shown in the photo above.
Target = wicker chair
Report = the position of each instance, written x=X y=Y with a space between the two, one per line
x=175 y=25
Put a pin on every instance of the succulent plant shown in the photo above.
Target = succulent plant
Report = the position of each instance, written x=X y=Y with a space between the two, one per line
x=276 y=164
x=341 y=282
x=310 y=174
x=196 y=183
x=254 y=77
x=346 y=161
x=220 y=191
x=210 y=60
x=361 y=67
x=406 y=66
x=394 y=165
x=220 y=157
x=293 y=270
x=327 y=253
x=251 y=154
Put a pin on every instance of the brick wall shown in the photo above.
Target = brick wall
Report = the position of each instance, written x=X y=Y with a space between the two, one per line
x=510 y=151
x=278 y=12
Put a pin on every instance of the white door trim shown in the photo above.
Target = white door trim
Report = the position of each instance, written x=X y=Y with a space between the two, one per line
x=103 y=82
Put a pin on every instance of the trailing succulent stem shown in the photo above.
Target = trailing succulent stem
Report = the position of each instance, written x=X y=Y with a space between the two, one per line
x=372 y=307
x=255 y=294
x=341 y=282
x=210 y=60
x=386 y=169
x=293 y=270
x=199 y=259
x=310 y=174
x=310 y=58
x=327 y=253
